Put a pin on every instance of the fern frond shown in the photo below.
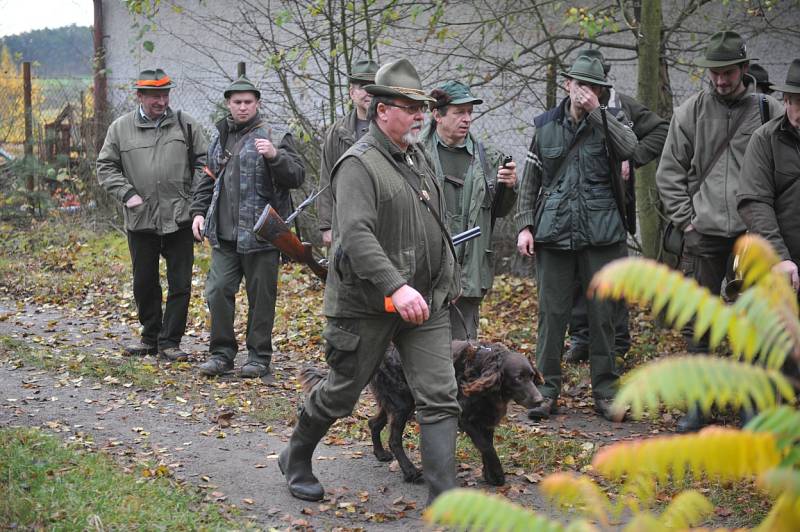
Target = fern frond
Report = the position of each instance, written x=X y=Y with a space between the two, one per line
x=569 y=490
x=781 y=480
x=678 y=381
x=759 y=325
x=643 y=522
x=784 y=515
x=689 y=508
x=638 y=491
x=467 y=510
x=784 y=424
x=717 y=452
x=756 y=260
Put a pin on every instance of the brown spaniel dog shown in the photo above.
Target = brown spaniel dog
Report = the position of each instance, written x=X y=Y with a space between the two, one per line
x=488 y=376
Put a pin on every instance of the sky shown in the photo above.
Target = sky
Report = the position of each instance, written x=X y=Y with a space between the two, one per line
x=18 y=16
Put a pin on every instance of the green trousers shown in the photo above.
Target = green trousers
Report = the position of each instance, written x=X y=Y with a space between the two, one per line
x=260 y=272
x=355 y=348
x=557 y=272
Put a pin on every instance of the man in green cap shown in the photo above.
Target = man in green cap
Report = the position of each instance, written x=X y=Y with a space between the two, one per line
x=393 y=272
x=341 y=135
x=651 y=131
x=699 y=173
x=246 y=171
x=477 y=190
x=569 y=218
x=149 y=162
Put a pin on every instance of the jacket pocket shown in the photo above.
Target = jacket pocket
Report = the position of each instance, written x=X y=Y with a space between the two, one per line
x=596 y=163
x=604 y=225
x=137 y=218
x=342 y=341
x=552 y=217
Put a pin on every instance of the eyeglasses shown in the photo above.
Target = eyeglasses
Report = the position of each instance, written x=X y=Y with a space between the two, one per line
x=410 y=109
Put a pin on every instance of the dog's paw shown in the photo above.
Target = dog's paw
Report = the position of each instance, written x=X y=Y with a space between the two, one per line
x=414 y=477
x=384 y=456
x=494 y=478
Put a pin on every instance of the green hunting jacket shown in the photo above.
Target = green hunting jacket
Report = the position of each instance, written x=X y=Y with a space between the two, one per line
x=379 y=232
x=698 y=128
x=338 y=139
x=470 y=204
x=140 y=156
x=575 y=208
x=769 y=193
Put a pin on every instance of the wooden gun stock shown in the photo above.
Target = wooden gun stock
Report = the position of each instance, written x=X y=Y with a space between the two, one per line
x=273 y=229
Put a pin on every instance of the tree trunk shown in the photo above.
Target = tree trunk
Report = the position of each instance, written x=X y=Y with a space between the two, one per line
x=649 y=93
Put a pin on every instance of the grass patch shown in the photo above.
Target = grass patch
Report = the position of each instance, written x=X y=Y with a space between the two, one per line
x=266 y=409
x=46 y=485
x=112 y=369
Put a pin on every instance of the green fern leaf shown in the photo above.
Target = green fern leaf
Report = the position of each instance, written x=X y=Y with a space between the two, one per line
x=643 y=522
x=783 y=423
x=469 y=510
x=678 y=381
x=570 y=490
x=717 y=452
x=687 y=509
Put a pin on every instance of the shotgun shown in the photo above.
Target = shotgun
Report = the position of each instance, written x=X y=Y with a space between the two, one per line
x=273 y=229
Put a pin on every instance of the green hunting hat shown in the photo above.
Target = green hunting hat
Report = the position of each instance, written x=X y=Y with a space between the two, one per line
x=792 y=85
x=457 y=93
x=589 y=70
x=398 y=79
x=363 y=70
x=152 y=80
x=596 y=54
x=242 y=85
x=725 y=48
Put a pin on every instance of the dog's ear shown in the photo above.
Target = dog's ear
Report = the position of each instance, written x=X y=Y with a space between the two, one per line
x=538 y=378
x=482 y=372
x=458 y=347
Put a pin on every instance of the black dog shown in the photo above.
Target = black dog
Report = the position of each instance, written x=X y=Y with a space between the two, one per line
x=488 y=376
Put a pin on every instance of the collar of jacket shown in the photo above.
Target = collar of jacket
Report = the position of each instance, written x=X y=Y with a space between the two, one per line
x=468 y=143
x=142 y=120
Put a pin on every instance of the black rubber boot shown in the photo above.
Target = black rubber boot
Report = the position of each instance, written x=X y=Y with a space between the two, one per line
x=295 y=459
x=438 y=442
x=693 y=421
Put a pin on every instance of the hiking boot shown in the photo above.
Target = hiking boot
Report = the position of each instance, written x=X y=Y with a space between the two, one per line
x=548 y=407
x=577 y=353
x=693 y=421
x=295 y=459
x=603 y=408
x=253 y=370
x=174 y=354
x=140 y=349
x=215 y=366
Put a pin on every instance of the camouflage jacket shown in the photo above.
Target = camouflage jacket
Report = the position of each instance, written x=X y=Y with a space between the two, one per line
x=261 y=182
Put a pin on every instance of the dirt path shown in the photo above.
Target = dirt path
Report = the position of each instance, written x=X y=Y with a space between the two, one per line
x=236 y=463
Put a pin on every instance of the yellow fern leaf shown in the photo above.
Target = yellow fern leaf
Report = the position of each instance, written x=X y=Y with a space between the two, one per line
x=687 y=509
x=567 y=489
x=718 y=452
x=643 y=522
x=678 y=381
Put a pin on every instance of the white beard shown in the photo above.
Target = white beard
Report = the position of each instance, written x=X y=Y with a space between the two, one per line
x=412 y=137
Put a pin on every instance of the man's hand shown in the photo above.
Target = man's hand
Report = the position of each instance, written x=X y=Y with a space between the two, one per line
x=626 y=170
x=584 y=97
x=266 y=148
x=410 y=304
x=789 y=268
x=198 y=225
x=134 y=201
x=327 y=238
x=508 y=174
x=525 y=243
